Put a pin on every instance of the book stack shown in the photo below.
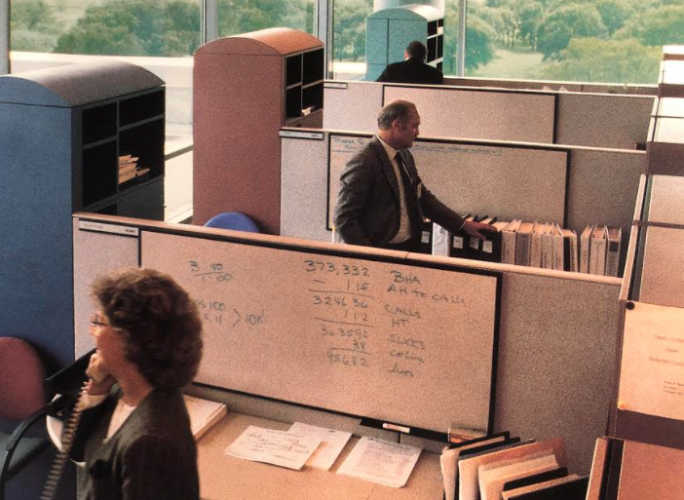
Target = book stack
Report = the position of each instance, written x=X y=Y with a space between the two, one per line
x=523 y=243
x=600 y=250
x=129 y=169
x=500 y=467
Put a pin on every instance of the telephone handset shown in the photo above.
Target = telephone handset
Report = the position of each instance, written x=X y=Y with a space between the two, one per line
x=63 y=383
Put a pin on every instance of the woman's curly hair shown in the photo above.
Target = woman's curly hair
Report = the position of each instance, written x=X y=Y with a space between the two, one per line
x=160 y=321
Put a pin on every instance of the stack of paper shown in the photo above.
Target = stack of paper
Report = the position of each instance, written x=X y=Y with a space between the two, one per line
x=273 y=447
x=332 y=442
x=302 y=444
x=203 y=414
x=381 y=462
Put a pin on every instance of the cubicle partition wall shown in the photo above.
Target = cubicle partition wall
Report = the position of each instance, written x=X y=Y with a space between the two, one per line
x=516 y=84
x=318 y=318
x=509 y=181
x=552 y=117
x=645 y=458
x=501 y=115
x=555 y=330
x=574 y=186
x=548 y=318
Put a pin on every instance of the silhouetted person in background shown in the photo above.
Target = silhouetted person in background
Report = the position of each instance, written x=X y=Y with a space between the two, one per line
x=414 y=69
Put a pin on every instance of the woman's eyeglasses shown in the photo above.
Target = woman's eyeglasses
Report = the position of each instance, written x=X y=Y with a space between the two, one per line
x=95 y=320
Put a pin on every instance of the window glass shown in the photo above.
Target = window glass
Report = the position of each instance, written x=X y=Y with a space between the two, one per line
x=349 y=38
x=451 y=20
x=243 y=16
x=611 y=41
x=160 y=36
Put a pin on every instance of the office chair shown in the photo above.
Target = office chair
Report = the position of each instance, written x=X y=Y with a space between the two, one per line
x=233 y=220
x=22 y=398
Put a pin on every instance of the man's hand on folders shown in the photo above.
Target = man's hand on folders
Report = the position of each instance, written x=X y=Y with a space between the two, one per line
x=472 y=228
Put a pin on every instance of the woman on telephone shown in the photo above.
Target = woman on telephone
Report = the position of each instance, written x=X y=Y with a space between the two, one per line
x=134 y=434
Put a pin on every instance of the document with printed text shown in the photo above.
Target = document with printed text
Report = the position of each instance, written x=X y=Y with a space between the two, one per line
x=381 y=462
x=332 y=442
x=652 y=375
x=273 y=447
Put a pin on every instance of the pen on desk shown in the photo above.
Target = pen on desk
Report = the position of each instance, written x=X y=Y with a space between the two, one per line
x=395 y=427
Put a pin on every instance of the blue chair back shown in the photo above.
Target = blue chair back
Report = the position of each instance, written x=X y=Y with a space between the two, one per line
x=236 y=221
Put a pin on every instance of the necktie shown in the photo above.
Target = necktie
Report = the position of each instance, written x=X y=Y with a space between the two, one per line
x=404 y=173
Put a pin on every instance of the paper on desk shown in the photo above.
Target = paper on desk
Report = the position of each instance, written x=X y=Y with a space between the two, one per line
x=332 y=442
x=381 y=462
x=273 y=447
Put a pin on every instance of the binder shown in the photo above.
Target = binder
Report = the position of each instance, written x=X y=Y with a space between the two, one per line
x=508 y=237
x=425 y=237
x=629 y=470
x=475 y=244
x=492 y=477
x=523 y=241
x=459 y=246
x=489 y=249
x=613 y=253
x=542 y=477
x=441 y=240
x=570 y=254
x=452 y=453
x=536 y=244
x=483 y=450
x=547 y=243
x=558 y=247
x=468 y=485
x=492 y=246
x=597 y=251
x=585 y=236
x=567 y=489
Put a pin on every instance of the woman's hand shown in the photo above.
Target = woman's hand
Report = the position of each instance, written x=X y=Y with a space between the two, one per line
x=100 y=382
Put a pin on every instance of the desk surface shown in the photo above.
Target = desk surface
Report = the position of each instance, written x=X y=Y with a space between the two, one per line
x=225 y=477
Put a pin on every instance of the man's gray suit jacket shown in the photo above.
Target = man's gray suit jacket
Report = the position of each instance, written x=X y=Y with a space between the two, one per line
x=368 y=207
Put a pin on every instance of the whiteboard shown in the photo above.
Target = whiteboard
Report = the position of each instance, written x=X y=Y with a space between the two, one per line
x=510 y=182
x=384 y=339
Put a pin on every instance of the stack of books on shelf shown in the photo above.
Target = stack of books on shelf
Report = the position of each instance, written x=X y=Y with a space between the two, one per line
x=501 y=467
x=129 y=169
x=524 y=243
x=600 y=250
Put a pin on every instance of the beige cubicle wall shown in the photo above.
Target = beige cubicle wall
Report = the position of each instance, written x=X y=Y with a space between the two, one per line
x=660 y=257
x=556 y=330
x=556 y=117
x=646 y=458
x=511 y=181
x=501 y=115
x=513 y=84
x=600 y=185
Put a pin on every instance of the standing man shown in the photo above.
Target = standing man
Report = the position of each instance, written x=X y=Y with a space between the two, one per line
x=414 y=69
x=382 y=199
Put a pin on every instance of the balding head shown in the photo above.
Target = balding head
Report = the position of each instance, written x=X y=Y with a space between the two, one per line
x=398 y=124
x=395 y=110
